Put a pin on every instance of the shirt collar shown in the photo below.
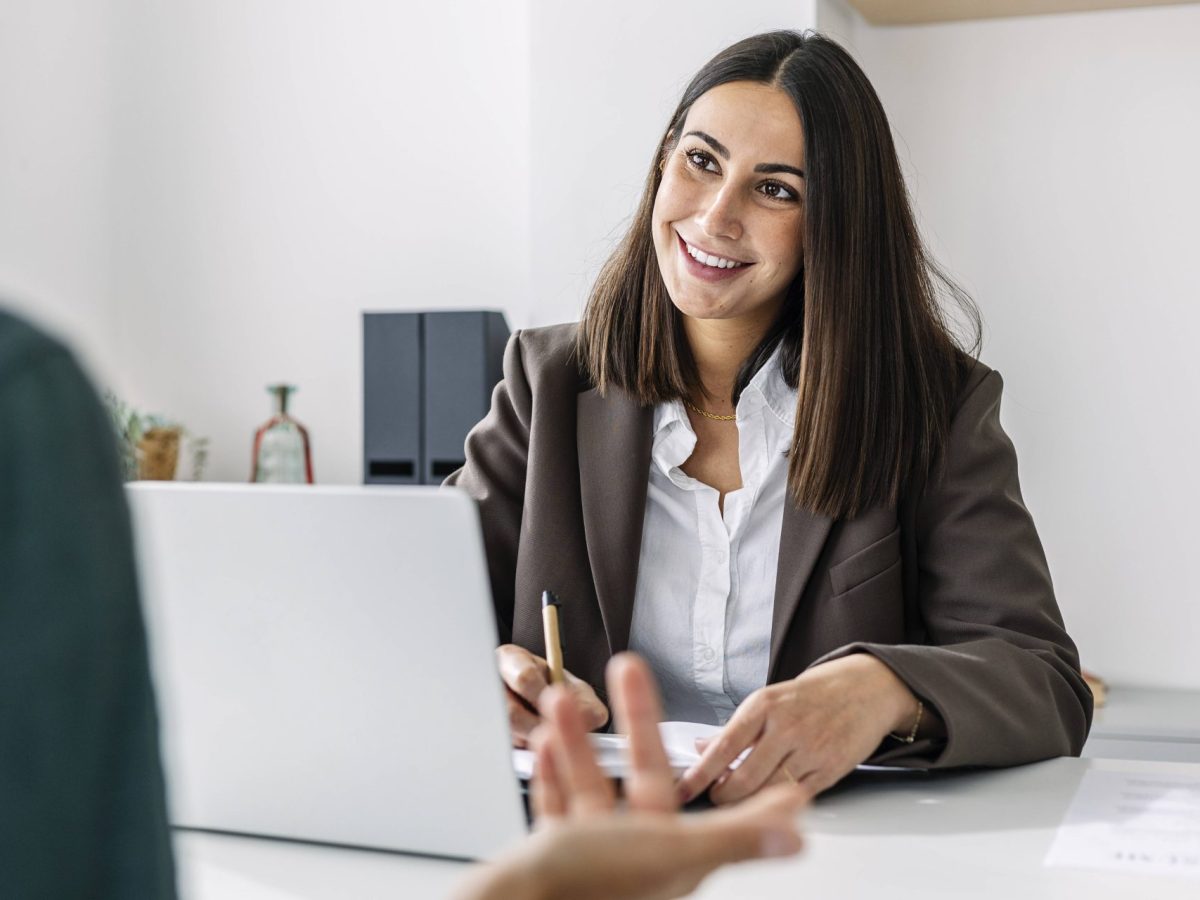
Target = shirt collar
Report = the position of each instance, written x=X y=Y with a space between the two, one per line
x=674 y=439
x=769 y=389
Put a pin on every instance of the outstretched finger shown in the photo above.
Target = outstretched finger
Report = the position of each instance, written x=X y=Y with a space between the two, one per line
x=546 y=793
x=764 y=826
x=650 y=784
x=586 y=788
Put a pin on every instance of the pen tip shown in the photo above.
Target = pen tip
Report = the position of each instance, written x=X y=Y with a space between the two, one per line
x=548 y=599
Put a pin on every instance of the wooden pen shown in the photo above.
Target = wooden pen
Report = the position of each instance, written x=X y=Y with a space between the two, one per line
x=554 y=653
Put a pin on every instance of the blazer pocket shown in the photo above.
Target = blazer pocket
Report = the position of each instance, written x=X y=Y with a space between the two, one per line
x=864 y=565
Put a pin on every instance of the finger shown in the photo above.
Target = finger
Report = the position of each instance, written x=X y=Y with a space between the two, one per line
x=650 y=784
x=774 y=805
x=784 y=777
x=521 y=719
x=764 y=826
x=743 y=730
x=525 y=675
x=755 y=771
x=595 y=713
x=817 y=781
x=776 y=809
x=720 y=779
x=588 y=790
x=546 y=792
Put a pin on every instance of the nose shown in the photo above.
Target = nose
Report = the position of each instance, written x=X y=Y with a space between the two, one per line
x=722 y=217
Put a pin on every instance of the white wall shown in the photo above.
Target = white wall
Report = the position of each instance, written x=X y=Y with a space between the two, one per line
x=1054 y=163
x=605 y=81
x=55 y=156
x=221 y=187
x=284 y=165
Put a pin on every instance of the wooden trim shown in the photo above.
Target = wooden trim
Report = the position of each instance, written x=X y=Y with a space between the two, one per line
x=915 y=12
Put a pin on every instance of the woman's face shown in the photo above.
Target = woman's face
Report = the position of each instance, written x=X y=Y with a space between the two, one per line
x=732 y=193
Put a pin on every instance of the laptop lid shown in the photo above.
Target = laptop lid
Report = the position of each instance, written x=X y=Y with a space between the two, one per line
x=324 y=661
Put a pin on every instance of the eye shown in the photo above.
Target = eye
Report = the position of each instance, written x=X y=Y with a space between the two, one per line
x=698 y=159
x=778 y=191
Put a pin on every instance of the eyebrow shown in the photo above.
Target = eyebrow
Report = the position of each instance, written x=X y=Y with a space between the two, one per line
x=723 y=151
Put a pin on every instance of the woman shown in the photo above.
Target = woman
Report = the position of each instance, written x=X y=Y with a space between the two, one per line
x=763 y=462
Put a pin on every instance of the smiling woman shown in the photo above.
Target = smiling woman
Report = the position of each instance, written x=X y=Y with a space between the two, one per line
x=764 y=462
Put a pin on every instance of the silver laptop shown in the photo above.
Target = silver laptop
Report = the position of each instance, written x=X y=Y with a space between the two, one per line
x=323 y=658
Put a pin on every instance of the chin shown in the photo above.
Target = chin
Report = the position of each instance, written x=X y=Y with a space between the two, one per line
x=702 y=308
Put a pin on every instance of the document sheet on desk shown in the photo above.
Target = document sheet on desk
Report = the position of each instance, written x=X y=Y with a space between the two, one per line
x=679 y=740
x=1121 y=821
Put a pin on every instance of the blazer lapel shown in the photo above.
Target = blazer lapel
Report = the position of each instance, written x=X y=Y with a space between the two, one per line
x=614 y=437
x=800 y=542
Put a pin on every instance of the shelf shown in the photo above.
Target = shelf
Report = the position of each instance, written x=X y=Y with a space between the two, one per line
x=917 y=12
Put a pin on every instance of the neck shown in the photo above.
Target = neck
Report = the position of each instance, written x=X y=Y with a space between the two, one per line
x=720 y=347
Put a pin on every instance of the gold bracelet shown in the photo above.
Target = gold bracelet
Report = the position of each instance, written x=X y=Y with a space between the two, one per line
x=912 y=735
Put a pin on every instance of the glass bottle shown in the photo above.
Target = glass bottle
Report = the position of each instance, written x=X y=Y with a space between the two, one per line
x=281 y=448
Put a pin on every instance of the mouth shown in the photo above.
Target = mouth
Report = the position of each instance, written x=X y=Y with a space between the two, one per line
x=708 y=267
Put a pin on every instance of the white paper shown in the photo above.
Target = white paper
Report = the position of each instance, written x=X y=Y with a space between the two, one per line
x=679 y=740
x=1144 y=824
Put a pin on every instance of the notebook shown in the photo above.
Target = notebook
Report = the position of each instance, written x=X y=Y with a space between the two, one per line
x=679 y=740
x=612 y=750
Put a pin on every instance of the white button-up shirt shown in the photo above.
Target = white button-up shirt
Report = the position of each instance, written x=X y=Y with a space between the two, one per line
x=706 y=581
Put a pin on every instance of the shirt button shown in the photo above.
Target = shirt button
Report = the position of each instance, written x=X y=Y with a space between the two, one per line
x=707 y=654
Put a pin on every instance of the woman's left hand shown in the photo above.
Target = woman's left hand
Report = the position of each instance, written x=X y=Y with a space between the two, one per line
x=812 y=730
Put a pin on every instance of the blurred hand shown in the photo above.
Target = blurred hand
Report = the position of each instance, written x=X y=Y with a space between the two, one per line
x=525 y=677
x=811 y=731
x=583 y=849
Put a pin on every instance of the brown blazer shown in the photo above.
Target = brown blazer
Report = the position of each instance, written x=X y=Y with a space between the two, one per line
x=951 y=589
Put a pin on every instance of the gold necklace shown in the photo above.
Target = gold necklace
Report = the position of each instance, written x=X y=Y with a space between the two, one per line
x=709 y=415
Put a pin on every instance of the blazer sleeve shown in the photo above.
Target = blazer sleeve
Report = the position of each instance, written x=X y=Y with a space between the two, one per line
x=497 y=450
x=999 y=666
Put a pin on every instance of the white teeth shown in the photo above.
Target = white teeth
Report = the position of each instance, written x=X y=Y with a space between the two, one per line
x=717 y=262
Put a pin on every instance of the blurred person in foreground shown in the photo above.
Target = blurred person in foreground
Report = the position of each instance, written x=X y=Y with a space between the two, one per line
x=82 y=802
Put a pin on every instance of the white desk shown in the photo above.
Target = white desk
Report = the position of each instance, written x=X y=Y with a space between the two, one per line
x=980 y=835
x=1147 y=723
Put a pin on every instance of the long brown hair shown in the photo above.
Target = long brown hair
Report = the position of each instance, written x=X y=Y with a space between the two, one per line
x=862 y=335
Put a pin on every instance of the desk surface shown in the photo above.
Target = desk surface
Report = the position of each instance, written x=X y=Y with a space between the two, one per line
x=978 y=834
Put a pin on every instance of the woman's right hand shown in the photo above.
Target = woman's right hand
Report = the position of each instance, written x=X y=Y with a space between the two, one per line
x=525 y=676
